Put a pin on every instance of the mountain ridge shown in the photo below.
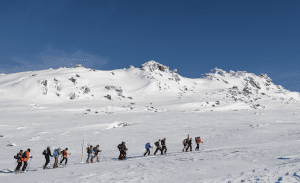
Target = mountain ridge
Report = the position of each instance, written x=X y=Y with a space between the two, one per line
x=153 y=78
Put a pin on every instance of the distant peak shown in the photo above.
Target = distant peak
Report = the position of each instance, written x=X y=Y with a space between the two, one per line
x=153 y=66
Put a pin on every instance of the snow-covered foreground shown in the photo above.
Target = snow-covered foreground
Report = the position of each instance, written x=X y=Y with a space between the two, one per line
x=243 y=141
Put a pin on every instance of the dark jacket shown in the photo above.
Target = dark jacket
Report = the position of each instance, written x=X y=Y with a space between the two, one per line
x=122 y=147
x=48 y=153
x=157 y=144
x=89 y=150
x=163 y=142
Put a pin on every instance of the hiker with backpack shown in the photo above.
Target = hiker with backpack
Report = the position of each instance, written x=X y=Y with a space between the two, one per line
x=198 y=141
x=47 y=154
x=89 y=151
x=164 y=147
x=147 y=146
x=56 y=154
x=184 y=142
x=19 y=160
x=157 y=147
x=25 y=158
x=122 y=148
x=189 y=145
x=65 y=154
x=96 y=151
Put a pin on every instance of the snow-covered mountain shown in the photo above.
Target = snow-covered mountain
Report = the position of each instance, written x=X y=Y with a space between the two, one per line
x=246 y=121
x=79 y=83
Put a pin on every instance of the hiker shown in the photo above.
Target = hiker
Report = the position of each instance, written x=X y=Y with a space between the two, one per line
x=56 y=154
x=19 y=160
x=122 y=148
x=157 y=146
x=147 y=146
x=184 y=142
x=65 y=154
x=198 y=141
x=47 y=154
x=189 y=142
x=164 y=147
x=89 y=151
x=96 y=151
x=25 y=158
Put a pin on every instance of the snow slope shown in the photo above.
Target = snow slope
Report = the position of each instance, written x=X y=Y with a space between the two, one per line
x=248 y=124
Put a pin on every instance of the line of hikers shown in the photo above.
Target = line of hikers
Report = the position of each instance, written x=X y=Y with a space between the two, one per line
x=93 y=152
x=90 y=151
x=187 y=143
x=47 y=153
x=22 y=158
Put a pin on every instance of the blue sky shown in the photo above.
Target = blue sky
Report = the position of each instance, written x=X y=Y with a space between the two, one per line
x=258 y=36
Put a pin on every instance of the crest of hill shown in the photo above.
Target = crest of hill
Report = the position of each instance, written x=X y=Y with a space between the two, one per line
x=249 y=83
x=152 y=79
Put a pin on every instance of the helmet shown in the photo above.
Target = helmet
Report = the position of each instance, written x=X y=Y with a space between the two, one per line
x=66 y=148
x=48 y=147
x=21 y=150
x=28 y=150
x=97 y=145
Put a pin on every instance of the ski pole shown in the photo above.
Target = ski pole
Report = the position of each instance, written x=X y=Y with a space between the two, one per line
x=29 y=164
x=50 y=163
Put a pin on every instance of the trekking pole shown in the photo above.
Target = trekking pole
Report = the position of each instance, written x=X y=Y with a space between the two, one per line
x=29 y=164
x=82 y=152
x=50 y=163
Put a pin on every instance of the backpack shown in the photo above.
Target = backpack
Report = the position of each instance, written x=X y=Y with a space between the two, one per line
x=44 y=152
x=184 y=141
x=25 y=155
x=147 y=146
x=156 y=143
x=95 y=149
x=55 y=153
x=16 y=156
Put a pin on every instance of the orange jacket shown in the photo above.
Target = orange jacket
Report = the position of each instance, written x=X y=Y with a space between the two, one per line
x=198 y=141
x=66 y=153
x=27 y=156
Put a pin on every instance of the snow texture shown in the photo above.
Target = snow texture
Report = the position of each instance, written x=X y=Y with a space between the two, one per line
x=249 y=125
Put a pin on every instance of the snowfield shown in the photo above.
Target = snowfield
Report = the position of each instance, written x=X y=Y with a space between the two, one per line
x=249 y=126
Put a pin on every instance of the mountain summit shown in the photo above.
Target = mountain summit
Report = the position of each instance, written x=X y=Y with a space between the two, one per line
x=151 y=80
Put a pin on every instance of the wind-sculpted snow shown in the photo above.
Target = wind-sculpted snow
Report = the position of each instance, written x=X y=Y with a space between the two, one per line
x=249 y=125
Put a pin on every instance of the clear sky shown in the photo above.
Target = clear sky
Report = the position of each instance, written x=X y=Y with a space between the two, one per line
x=258 y=36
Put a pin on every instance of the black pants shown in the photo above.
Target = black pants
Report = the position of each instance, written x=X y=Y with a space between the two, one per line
x=197 y=146
x=25 y=165
x=147 y=151
x=47 y=161
x=162 y=150
x=157 y=148
x=122 y=155
x=18 y=166
x=184 y=147
x=189 y=146
x=64 y=158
